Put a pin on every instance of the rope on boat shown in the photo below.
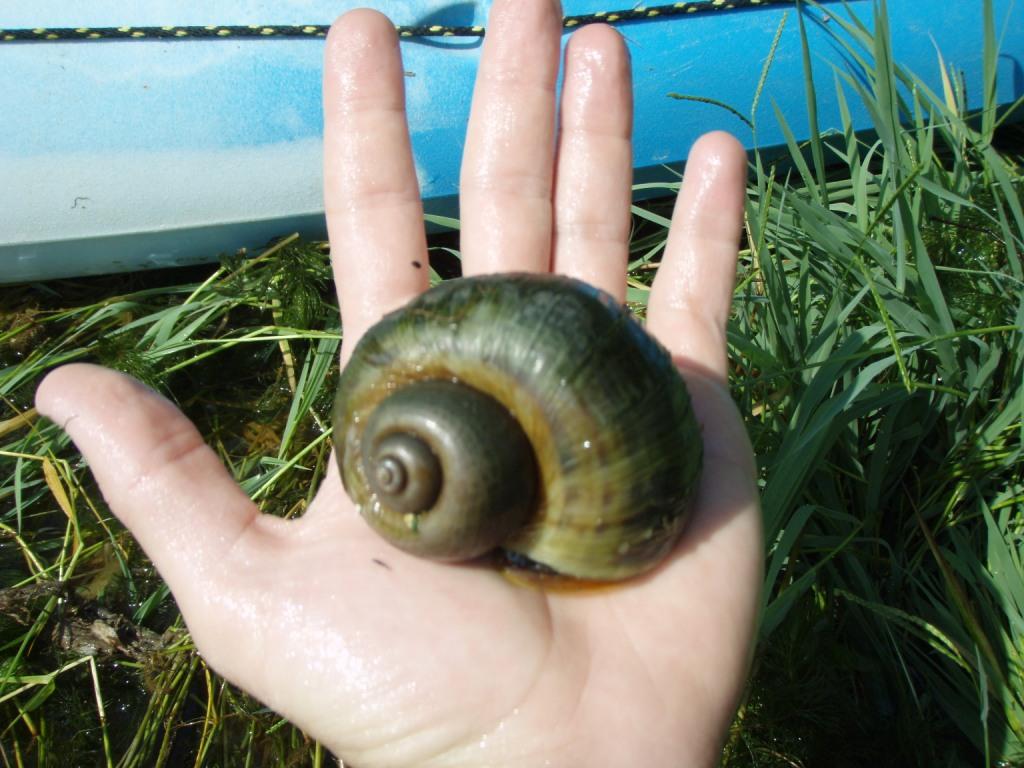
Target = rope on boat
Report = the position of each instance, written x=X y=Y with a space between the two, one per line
x=250 y=31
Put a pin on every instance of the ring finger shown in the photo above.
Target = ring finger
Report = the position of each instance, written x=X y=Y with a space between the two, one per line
x=595 y=161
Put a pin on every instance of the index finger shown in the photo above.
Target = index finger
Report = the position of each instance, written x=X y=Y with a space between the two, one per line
x=371 y=193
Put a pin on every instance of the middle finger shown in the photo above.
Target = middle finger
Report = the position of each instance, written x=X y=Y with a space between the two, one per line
x=507 y=167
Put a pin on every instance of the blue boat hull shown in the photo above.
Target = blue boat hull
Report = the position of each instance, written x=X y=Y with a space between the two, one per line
x=132 y=155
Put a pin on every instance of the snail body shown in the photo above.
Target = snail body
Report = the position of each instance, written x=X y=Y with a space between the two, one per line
x=530 y=413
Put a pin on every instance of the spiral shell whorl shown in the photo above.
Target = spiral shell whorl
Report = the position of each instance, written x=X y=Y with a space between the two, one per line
x=617 y=448
x=416 y=490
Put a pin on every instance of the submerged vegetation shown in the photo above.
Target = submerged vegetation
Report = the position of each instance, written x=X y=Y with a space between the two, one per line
x=877 y=356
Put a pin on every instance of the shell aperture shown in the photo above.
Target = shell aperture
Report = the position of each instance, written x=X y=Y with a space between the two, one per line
x=583 y=453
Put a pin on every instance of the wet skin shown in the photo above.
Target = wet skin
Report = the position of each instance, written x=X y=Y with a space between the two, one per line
x=393 y=661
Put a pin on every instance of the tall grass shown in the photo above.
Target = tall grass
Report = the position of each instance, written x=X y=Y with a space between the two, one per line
x=878 y=347
x=877 y=352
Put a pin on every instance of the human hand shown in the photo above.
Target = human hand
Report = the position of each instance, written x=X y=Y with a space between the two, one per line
x=424 y=664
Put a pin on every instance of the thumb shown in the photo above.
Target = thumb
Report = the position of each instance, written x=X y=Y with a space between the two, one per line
x=156 y=473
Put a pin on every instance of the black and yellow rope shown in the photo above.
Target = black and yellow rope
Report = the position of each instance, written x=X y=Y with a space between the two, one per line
x=215 y=32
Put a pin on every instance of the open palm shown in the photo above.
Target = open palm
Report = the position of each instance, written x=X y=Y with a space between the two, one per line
x=394 y=661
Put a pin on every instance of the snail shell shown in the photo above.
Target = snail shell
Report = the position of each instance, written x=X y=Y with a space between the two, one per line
x=526 y=412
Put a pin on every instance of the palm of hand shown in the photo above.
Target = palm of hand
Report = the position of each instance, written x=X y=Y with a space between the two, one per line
x=391 y=660
x=395 y=660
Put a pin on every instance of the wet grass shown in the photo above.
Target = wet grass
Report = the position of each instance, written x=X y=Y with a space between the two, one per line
x=877 y=356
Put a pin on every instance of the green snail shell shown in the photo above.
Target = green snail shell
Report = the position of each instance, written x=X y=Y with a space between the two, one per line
x=582 y=452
